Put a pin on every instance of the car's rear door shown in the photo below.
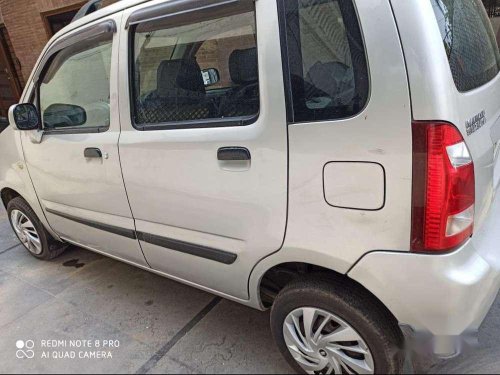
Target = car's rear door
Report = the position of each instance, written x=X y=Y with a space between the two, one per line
x=205 y=159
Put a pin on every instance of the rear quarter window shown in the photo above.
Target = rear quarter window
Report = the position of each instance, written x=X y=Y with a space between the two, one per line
x=327 y=66
x=469 y=41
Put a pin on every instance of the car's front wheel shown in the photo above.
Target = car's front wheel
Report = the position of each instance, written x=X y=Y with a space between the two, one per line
x=31 y=231
x=324 y=327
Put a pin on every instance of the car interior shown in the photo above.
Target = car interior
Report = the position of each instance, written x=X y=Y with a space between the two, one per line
x=181 y=93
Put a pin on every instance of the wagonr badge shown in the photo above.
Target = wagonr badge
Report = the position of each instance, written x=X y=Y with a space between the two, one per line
x=475 y=123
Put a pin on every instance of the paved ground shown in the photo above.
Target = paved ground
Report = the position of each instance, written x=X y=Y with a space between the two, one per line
x=161 y=326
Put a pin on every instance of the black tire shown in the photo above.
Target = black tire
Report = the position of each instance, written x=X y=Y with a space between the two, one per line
x=351 y=303
x=51 y=248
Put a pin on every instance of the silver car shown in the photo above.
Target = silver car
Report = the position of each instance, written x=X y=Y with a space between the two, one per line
x=335 y=161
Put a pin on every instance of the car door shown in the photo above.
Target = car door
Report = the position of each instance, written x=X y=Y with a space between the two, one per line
x=204 y=138
x=74 y=161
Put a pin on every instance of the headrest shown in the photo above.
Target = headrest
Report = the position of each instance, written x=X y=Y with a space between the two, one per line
x=332 y=78
x=243 y=66
x=182 y=74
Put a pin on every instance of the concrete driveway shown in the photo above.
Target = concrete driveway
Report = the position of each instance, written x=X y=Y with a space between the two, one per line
x=81 y=303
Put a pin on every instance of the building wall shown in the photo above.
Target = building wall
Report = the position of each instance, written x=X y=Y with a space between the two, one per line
x=24 y=21
x=16 y=65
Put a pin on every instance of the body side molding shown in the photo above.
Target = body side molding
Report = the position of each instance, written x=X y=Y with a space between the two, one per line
x=201 y=251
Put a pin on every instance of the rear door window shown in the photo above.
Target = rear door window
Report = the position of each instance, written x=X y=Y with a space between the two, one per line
x=469 y=41
x=197 y=72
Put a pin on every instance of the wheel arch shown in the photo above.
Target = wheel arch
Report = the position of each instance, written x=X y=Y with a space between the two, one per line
x=7 y=194
x=277 y=277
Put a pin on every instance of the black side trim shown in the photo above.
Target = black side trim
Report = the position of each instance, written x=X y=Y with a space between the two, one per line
x=129 y=233
x=184 y=247
x=285 y=62
x=77 y=130
x=188 y=248
x=194 y=124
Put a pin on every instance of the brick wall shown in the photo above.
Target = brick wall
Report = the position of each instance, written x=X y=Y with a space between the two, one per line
x=24 y=20
x=108 y=2
x=12 y=57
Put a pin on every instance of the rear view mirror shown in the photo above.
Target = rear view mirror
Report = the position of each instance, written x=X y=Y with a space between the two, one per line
x=210 y=76
x=25 y=116
x=64 y=116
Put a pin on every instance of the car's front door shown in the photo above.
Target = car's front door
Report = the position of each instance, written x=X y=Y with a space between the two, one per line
x=74 y=161
x=204 y=146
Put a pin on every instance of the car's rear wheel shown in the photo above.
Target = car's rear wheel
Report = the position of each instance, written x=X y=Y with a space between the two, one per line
x=31 y=231
x=322 y=327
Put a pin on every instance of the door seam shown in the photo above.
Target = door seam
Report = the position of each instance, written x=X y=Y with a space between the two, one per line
x=119 y=95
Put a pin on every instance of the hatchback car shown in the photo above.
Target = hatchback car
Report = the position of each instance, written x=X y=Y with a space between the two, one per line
x=335 y=161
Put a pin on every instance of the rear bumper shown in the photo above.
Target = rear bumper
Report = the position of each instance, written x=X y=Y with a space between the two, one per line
x=446 y=295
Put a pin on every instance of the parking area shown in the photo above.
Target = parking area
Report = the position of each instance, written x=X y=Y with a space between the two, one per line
x=156 y=325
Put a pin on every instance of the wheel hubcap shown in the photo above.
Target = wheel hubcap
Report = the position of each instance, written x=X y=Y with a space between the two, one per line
x=26 y=232
x=322 y=343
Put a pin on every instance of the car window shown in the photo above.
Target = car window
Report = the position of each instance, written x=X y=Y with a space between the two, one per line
x=469 y=41
x=205 y=70
x=326 y=59
x=75 y=89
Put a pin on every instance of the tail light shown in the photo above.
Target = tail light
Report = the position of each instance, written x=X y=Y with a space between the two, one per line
x=443 y=188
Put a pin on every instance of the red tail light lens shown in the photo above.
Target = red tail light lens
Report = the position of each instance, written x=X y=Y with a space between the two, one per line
x=443 y=188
